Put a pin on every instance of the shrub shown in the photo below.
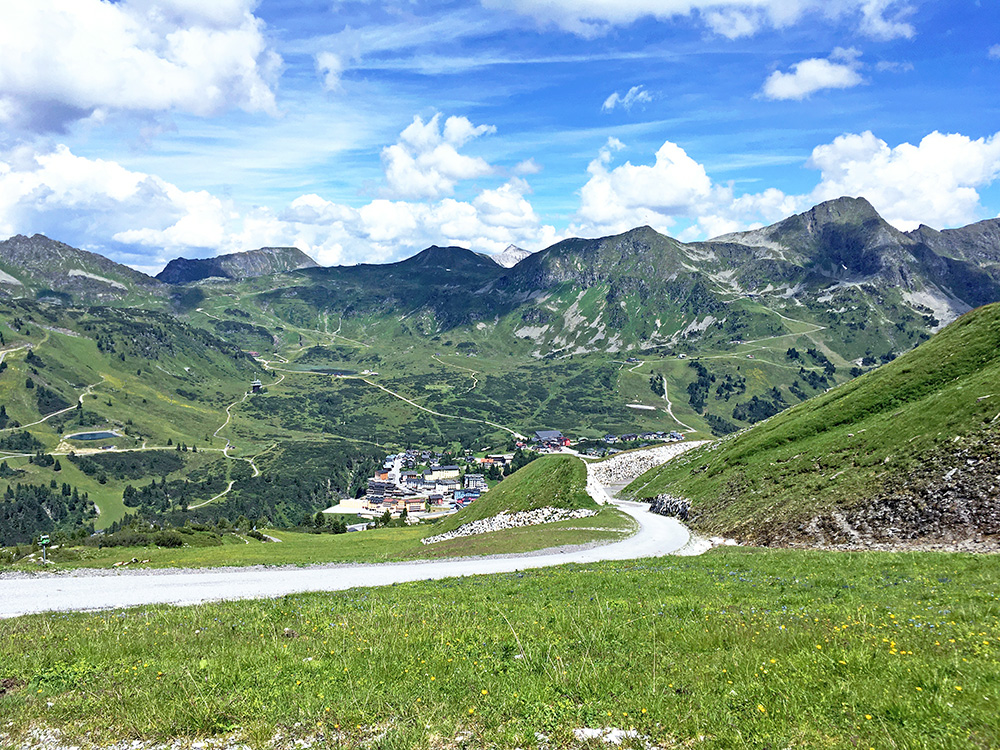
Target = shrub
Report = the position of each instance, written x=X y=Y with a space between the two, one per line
x=168 y=539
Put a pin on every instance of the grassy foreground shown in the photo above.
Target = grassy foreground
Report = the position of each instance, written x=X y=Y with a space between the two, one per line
x=771 y=648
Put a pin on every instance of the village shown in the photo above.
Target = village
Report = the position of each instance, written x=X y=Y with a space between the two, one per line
x=415 y=484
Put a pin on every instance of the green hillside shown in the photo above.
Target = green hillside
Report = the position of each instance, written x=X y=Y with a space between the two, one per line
x=907 y=451
x=547 y=482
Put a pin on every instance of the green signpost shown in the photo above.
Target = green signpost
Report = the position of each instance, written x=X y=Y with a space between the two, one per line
x=43 y=542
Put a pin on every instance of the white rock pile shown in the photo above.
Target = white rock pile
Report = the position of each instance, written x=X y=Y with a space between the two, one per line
x=511 y=521
x=625 y=467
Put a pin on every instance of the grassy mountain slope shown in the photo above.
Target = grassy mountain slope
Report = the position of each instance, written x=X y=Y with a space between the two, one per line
x=40 y=267
x=547 y=482
x=907 y=451
x=154 y=380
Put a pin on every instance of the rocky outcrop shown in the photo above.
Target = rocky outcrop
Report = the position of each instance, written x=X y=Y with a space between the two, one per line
x=56 y=270
x=503 y=521
x=951 y=498
x=668 y=505
x=951 y=501
x=511 y=256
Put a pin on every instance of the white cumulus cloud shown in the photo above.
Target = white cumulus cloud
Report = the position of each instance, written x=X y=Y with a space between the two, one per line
x=840 y=71
x=934 y=182
x=619 y=198
x=64 y=60
x=635 y=95
x=143 y=220
x=425 y=162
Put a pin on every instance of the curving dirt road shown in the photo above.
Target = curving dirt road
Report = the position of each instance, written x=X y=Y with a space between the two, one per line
x=43 y=592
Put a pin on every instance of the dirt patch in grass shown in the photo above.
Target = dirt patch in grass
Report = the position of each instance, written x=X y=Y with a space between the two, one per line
x=9 y=685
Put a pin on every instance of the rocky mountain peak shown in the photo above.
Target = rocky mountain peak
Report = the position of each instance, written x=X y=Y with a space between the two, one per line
x=511 y=256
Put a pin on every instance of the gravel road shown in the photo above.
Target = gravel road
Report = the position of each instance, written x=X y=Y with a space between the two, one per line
x=90 y=590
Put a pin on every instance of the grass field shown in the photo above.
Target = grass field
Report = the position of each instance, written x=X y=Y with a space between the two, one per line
x=736 y=649
x=378 y=545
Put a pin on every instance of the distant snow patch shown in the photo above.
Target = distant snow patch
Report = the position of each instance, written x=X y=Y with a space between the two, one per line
x=95 y=277
x=641 y=406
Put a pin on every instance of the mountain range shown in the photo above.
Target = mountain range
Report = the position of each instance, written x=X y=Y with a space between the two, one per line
x=623 y=335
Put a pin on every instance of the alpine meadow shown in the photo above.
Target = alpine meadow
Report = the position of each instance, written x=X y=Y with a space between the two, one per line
x=525 y=375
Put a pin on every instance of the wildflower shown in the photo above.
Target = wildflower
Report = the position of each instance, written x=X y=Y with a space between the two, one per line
x=761 y=708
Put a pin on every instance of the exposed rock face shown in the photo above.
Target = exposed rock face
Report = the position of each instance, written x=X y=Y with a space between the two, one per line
x=249 y=264
x=952 y=501
x=511 y=256
x=953 y=497
x=511 y=521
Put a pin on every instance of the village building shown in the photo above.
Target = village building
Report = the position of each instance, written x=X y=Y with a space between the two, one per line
x=475 y=482
x=551 y=438
x=442 y=472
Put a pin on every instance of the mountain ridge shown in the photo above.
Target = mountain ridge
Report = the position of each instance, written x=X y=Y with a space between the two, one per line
x=45 y=266
x=263 y=261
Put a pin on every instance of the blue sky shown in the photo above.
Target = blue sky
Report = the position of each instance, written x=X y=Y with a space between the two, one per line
x=365 y=131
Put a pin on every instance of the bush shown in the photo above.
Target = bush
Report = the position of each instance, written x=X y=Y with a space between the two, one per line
x=168 y=539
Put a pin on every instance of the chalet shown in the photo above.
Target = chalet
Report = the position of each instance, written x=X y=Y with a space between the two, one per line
x=550 y=438
x=256 y=386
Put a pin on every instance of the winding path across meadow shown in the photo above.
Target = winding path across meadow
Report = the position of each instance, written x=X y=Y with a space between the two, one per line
x=43 y=592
